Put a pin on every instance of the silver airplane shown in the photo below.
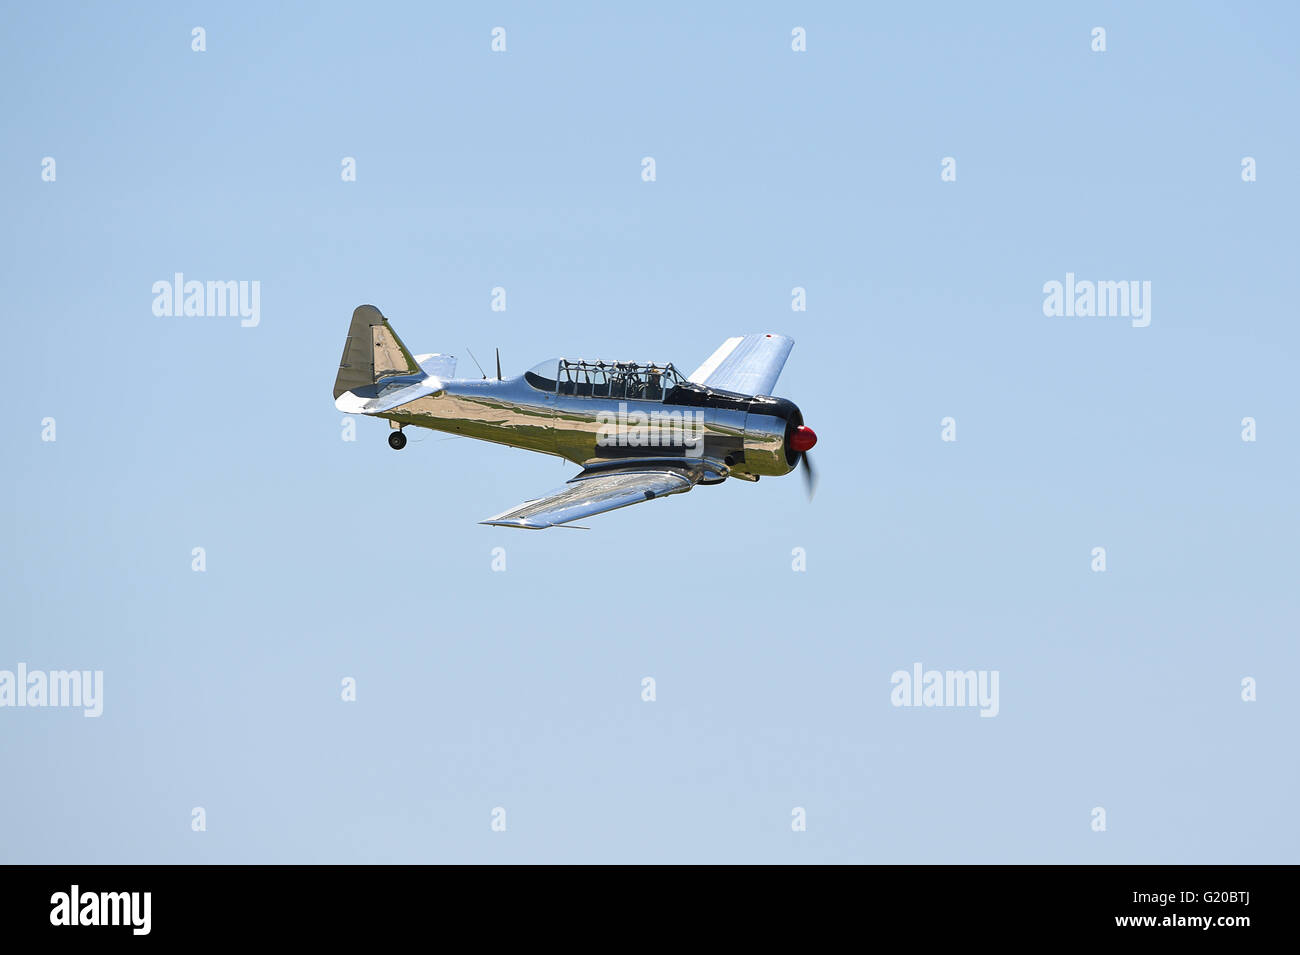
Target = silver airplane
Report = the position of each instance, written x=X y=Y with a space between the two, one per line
x=638 y=431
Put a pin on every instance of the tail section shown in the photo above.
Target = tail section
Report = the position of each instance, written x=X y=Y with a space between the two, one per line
x=372 y=351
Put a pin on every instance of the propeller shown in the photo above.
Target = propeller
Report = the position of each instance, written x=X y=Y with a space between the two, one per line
x=802 y=440
x=809 y=476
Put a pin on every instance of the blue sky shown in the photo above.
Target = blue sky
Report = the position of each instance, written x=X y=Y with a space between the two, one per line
x=521 y=689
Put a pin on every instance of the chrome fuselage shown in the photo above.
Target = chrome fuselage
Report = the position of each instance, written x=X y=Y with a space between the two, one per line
x=727 y=434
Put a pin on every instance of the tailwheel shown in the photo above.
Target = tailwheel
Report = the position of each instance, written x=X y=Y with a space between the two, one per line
x=397 y=440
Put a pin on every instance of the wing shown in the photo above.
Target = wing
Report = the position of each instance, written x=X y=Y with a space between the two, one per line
x=749 y=365
x=595 y=492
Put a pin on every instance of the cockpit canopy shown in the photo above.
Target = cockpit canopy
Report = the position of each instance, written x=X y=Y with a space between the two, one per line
x=604 y=379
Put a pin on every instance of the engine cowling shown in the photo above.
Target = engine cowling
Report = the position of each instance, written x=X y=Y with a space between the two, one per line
x=775 y=437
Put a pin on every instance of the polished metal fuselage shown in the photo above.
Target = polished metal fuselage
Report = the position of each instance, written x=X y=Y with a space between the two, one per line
x=594 y=432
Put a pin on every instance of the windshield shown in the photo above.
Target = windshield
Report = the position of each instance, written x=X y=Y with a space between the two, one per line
x=543 y=375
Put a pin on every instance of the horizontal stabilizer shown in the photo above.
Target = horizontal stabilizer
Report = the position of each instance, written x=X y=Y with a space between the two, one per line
x=439 y=366
x=387 y=398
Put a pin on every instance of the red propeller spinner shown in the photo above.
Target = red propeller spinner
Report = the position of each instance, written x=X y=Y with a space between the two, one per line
x=802 y=439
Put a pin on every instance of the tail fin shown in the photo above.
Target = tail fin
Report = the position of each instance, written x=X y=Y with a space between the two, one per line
x=372 y=351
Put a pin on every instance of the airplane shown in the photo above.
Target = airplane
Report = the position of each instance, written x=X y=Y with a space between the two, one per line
x=639 y=431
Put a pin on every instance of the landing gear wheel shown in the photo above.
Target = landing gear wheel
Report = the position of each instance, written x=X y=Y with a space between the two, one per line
x=397 y=440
